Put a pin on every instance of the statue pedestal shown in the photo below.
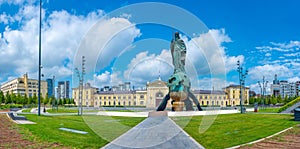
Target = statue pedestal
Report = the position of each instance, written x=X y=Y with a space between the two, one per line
x=178 y=105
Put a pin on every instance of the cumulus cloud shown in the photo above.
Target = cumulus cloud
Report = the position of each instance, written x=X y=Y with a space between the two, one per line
x=148 y=67
x=107 y=79
x=208 y=53
x=257 y=72
x=62 y=33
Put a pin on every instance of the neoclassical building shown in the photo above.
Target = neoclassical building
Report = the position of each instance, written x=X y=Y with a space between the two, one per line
x=153 y=94
x=233 y=94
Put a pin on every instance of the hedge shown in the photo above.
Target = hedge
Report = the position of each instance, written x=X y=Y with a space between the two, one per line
x=289 y=104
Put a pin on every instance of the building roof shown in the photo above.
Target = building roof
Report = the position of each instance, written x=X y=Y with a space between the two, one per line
x=157 y=83
x=235 y=86
x=118 y=92
x=208 y=92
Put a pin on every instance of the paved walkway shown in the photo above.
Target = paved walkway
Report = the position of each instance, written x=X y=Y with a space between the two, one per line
x=154 y=132
x=171 y=114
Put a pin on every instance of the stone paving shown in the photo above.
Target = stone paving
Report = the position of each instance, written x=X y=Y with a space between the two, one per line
x=154 y=132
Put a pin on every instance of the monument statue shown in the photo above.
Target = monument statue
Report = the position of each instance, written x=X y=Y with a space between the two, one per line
x=179 y=84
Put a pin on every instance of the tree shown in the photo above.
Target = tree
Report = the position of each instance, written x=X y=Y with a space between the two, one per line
x=19 y=99
x=279 y=99
x=60 y=102
x=46 y=100
x=7 y=98
x=13 y=98
x=35 y=99
x=251 y=100
x=2 y=98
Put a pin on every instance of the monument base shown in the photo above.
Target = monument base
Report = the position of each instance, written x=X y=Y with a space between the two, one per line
x=178 y=106
x=157 y=113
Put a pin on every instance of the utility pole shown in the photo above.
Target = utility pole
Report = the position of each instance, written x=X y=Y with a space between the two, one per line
x=242 y=77
x=40 y=62
x=80 y=77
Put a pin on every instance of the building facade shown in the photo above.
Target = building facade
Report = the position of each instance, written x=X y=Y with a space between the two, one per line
x=88 y=95
x=233 y=95
x=24 y=86
x=153 y=95
x=50 y=87
x=284 y=88
x=63 y=89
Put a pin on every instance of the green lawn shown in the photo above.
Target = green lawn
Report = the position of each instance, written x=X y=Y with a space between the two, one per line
x=47 y=129
x=234 y=129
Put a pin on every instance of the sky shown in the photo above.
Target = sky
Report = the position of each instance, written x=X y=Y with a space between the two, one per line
x=129 y=40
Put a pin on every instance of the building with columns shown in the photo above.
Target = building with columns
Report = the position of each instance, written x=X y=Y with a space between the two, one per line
x=153 y=94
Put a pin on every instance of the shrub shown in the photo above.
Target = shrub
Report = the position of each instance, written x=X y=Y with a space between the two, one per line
x=289 y=104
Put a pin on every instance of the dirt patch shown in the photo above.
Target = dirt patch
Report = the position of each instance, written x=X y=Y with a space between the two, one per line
x=288 y=140
x=10 y=137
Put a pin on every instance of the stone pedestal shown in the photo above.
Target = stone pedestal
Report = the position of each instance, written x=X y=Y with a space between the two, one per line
x=178 y=98
x=178 y=105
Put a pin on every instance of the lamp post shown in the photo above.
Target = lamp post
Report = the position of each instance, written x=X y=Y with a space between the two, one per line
x=80 y=77
x=40 y=62
x=242 y=77
x=263 y=87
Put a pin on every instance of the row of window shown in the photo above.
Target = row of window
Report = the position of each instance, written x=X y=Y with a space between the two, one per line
x=119 y=97
x=114 y=103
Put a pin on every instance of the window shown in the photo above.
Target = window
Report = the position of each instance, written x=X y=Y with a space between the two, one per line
x=141 y=102
x=96 y=103
x=141 y=96
x=207 y=102
x=202 y=103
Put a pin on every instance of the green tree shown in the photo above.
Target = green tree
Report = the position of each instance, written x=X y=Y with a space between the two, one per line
x=2 y=97
x=35 y=98
x=60 y=102
x=7 y=98
x=13 y=98
x=279 y=99
x=46 y=100
x=19 y=99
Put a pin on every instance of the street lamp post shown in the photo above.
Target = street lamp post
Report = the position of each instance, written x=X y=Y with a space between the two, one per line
x=80 y=77
x=40 y=62
x=263 y=87
x=242 y=77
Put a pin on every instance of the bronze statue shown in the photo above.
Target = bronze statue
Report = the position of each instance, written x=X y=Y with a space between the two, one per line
x=179 y=84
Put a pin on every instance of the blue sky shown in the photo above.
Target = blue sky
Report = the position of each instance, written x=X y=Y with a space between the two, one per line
x=263 y=35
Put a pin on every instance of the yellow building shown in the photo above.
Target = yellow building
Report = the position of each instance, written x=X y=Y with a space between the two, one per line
x=24 y=86
x=233 y=95
x=156 y=91
x=211 y=98
x=88 y=95
x=120 y=98
x=152 y=96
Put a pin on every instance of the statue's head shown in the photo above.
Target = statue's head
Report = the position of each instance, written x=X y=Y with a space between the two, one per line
x=177 y=35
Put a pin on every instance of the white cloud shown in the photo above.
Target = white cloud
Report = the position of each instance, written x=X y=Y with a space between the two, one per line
x=62 y=33
x=146 y=67
x=107 y=79
x=257 y=72
x=207 y=52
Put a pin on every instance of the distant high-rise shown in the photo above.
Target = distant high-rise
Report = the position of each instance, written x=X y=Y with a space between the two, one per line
x=50 y=87
x=63 y=89
x=275 y=87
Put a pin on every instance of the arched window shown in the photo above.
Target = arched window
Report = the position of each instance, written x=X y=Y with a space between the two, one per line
x=202 y=103
x=207 y=102
x=159 y=94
